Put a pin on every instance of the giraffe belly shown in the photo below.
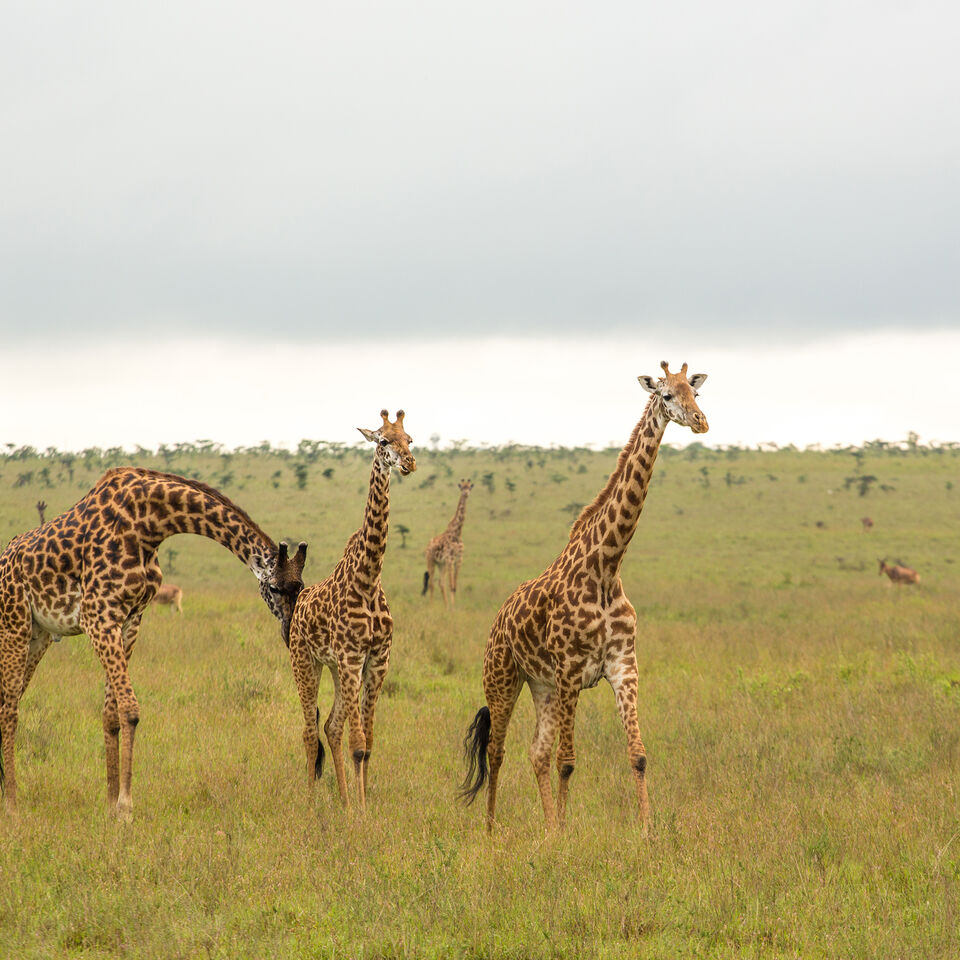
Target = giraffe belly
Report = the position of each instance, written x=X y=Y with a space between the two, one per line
x=63 y=622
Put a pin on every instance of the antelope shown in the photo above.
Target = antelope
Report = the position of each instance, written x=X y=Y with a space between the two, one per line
x=170 y=594
x=899 y=573
x=867 y=524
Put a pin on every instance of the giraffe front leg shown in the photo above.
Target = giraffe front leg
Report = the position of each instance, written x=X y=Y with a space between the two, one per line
x=111 y=744
x=566 y=711
x=108 y=644
x=453 y=585
x=541 y=749
x=374 y=675
x=306 y=673
x=623 y=677
x=442 y=576
x=333 y=730
x=14 y=649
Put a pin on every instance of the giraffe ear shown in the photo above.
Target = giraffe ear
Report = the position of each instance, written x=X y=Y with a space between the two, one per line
x=696 y=381
x=648 y=384
x=368 y=434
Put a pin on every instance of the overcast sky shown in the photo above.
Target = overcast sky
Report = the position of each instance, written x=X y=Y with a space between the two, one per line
x=736 y=176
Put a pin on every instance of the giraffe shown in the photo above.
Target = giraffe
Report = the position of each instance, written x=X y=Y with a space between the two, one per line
x=93 y=570
x=446 y=550
x=344 y=623
x=573 y=625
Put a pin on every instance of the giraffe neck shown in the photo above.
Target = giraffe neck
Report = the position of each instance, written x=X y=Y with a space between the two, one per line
x=368 y=544
x=607 y=525
x=455 y=526
x=167 y=504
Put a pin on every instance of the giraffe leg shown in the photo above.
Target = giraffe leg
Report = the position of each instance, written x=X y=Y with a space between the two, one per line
x=502 y=684
x=623 y=677
x=108 y=643
x=375 y=673
x=431 y=564
x=111 y=717
x=346 y=711
x=39 y=644
x=111 y=743
x=14 y=647
x=567 y=698
x=541 y=749
x=306 y=673
x=358 y=744
x=453 y=583
x=443 y=582
x=333 y=730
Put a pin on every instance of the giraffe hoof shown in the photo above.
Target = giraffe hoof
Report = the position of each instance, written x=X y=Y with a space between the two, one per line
x=124 y=811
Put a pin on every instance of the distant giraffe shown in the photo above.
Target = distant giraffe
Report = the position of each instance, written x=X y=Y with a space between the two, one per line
x=573 y=625
x=446 y=550
x=42 y=510
x=899 y=574
x=170 y=595
x=93 y=570
x=344 y=623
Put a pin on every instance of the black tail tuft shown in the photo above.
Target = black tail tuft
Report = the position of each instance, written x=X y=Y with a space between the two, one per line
x=426 y=582
x=475 y=751
x=318 y=763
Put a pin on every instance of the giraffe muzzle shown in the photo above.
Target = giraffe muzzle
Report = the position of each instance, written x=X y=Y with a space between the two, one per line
x=699 y=423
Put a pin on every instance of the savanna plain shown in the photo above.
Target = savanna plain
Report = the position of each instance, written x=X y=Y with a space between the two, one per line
x=801 y=717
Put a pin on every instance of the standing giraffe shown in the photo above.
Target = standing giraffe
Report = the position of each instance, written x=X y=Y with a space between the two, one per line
x=446 y=550
x=93 y=570
x=344 y=623
x=573 y=625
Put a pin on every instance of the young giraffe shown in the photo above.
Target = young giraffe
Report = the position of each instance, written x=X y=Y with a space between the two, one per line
x=446 y=550
x=573 y=625
x=344 y=623
x=93 y=570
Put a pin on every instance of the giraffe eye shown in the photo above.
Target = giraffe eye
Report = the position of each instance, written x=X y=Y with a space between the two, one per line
x=383 y=441
x=668 y=396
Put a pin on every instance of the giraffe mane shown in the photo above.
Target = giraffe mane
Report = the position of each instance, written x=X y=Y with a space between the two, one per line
x=592 y=509
x=200 y=487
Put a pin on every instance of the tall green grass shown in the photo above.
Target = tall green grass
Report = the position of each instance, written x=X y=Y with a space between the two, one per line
x=802 y=719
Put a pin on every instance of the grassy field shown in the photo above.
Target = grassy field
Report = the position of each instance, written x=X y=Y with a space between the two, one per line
x=801 y=715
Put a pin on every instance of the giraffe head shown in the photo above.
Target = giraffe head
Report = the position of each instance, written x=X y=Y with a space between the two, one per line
x=282 y=586
x=465 y=486
x=393 y=444
x=677 y=395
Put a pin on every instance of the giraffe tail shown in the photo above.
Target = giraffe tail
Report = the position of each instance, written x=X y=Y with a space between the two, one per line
x=426 y=582
x=475 y=752
x=318 y=763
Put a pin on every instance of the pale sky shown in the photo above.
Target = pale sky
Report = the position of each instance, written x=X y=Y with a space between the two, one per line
x=477 y=207
x=845 y=389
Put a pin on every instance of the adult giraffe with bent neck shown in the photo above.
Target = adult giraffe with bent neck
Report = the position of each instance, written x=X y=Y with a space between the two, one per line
x=94 y=570
x=573 y=625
